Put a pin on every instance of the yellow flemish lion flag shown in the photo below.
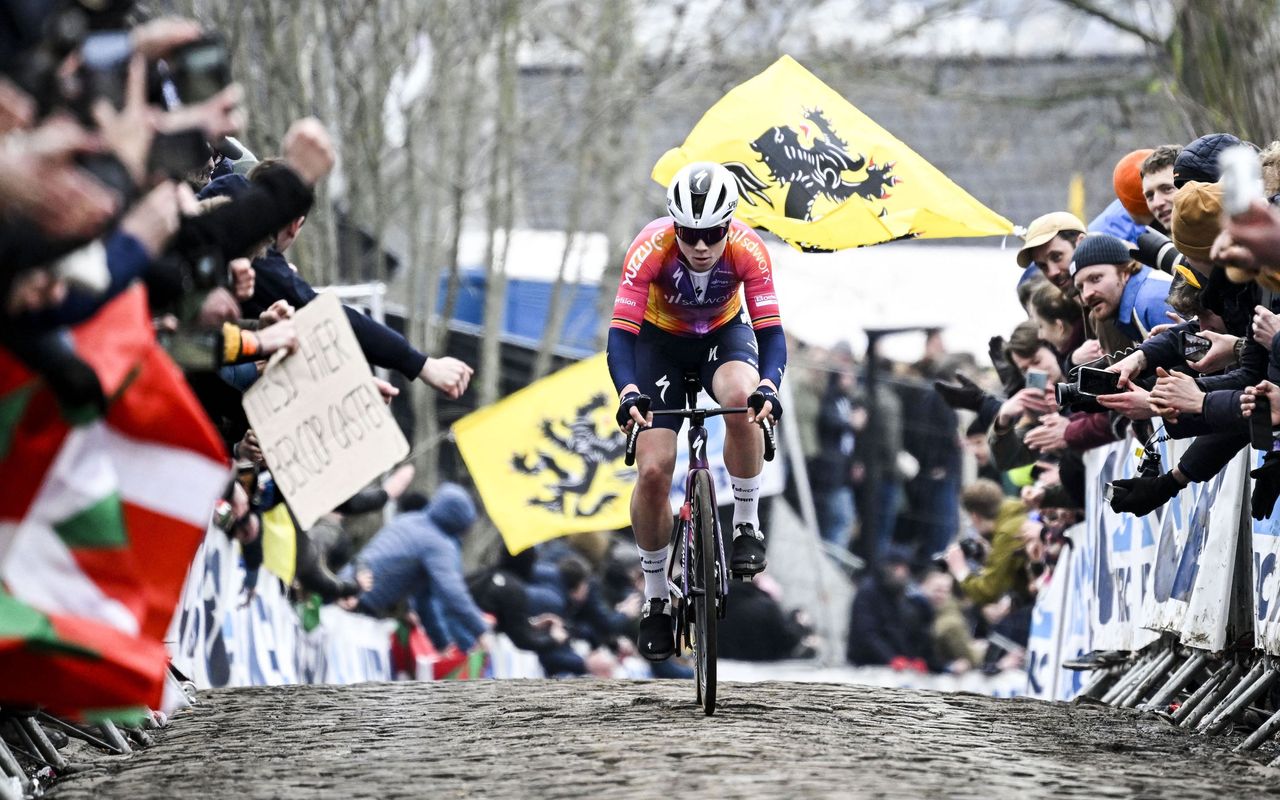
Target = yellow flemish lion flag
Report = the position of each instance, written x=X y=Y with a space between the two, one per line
x=820 y=174
x=548 y=460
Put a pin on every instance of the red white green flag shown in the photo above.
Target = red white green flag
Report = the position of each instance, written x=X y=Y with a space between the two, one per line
x=99 y=520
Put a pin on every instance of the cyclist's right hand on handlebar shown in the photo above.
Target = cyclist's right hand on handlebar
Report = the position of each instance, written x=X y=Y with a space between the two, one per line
x=633 y=409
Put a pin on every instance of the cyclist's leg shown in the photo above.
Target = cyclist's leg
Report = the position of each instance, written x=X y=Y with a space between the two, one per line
x=651 y=500
x=732 y=361
x=730 y=372
x=657 y=375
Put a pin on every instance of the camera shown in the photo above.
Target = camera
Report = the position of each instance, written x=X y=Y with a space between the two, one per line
x=199 y=70
x=1090 y=383
x=178 y=153
x=974 y=549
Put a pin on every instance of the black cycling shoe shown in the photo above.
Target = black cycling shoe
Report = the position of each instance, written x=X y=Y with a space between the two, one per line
x=748 y=551
x=657 y=639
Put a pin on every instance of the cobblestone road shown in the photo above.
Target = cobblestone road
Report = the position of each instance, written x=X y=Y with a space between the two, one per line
x=586 y=739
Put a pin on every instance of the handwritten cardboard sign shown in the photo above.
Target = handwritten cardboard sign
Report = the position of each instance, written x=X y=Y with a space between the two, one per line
x=324 y=429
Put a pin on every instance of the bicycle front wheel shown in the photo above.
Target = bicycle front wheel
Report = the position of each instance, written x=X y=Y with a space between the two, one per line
x=707 y=574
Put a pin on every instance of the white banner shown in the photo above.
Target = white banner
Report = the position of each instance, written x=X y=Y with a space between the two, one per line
x=1124 y=550
x=324 y=429
x=1195 y=563
x=774 y=476
x=196 y=641
x=1048 y=630
x=1265 y=583
x=221 y=636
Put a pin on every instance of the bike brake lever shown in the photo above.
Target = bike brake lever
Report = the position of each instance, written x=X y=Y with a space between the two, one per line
x=770 y=443
x=643 y=404
x=630 y=457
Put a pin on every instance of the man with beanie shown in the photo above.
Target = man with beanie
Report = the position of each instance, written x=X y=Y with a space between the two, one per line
x=1113 y=286
x=418 y=557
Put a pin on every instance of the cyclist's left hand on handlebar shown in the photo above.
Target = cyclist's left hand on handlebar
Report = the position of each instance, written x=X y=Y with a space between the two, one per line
x=633 y=409
x=763 y=403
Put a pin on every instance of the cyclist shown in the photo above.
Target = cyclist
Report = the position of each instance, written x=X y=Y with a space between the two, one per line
x=679 y=307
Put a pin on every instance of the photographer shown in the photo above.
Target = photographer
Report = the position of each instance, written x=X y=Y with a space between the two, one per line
x=999 y=521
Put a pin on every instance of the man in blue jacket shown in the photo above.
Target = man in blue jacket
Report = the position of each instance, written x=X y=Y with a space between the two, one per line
x=1114 y=287
x=418 y=556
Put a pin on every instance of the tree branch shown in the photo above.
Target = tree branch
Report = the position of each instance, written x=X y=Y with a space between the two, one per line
x=1090 y=8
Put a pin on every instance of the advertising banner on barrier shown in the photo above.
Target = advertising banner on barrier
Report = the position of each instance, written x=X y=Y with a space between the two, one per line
x=196 y=638
x=222 y=636
x=1265 y=583
x=1195 y=561
x=1048 y=630
x=1123 y=551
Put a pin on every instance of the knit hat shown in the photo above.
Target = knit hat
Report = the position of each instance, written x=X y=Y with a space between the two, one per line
x=1044 y=228
x=1099 y=248
x=1196 y=210
x=1198 y=161
x=1127 y=180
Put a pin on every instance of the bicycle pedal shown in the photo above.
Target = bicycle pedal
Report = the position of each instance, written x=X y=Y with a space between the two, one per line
x=743 y=578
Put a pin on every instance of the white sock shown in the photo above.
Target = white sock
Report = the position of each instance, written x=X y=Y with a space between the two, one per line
x=654 y=565
x=746 y=501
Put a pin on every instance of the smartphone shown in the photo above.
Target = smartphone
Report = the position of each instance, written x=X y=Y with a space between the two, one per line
x=179 y=153
x=1260 y=424
x=1241 y=179
x=1194 y=346
x=1097 y=382
x=200 y=70
x=103 y=72
x=1037 y=379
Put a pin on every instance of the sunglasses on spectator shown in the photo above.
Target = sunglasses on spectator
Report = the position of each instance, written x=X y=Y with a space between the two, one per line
x=712 y=236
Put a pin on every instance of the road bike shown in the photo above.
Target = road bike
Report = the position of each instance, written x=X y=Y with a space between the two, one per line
x=700 y=593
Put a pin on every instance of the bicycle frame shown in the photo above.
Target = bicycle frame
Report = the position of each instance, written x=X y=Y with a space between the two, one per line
x=698 y=462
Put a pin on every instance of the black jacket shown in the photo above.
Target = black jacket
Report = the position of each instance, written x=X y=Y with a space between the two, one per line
x=383 y=347
x=886 y=623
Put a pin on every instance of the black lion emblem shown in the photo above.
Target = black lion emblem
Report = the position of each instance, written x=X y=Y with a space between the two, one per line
x=820 y=170
x=568 y=489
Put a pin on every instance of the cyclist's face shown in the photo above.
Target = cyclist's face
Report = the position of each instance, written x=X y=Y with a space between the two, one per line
x=700 y=255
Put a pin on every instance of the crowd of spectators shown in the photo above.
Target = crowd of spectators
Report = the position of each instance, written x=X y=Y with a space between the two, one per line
x=1164 y=306
x=955 y=509
x=119 y=167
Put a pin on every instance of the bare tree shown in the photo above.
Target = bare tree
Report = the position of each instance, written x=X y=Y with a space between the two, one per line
x=500 y=205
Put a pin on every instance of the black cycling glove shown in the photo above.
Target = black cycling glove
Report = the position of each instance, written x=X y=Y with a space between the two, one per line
x=761 y=394
x=968 y=395
x=629 y=401
x=1141 y=496
x=1010 y=378
x=1267 y=485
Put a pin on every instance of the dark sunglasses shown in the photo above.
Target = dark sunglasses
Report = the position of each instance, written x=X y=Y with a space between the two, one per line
x=712 y=236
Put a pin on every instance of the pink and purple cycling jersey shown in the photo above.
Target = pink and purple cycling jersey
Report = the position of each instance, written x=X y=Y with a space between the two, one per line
x=656 y=286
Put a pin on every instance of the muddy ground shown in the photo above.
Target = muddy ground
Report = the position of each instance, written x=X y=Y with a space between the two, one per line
x=586 y=739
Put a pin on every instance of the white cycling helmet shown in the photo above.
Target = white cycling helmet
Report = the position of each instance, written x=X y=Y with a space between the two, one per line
x=702 y=195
